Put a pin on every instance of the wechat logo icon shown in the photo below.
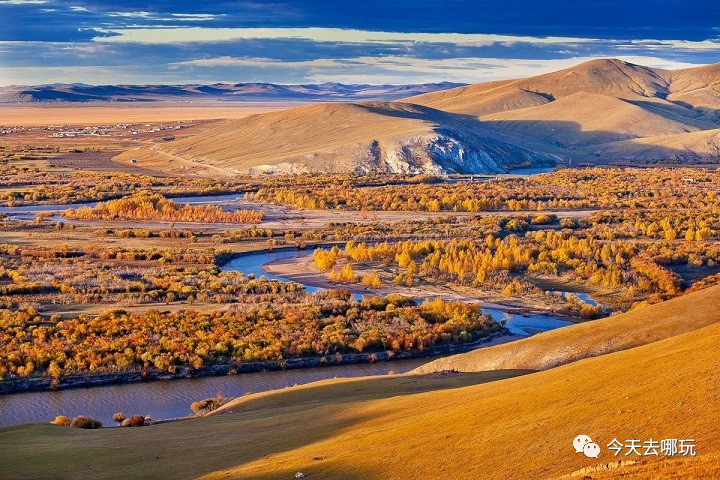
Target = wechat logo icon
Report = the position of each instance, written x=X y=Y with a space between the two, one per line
x=584 y=444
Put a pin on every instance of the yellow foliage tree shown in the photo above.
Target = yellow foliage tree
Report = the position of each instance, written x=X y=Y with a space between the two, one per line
x=372 y=280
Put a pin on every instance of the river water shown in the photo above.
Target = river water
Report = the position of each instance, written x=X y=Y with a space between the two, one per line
x=171 y=398
x=27 y=212
x=523 y=325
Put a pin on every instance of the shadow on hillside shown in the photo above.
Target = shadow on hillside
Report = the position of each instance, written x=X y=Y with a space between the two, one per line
x=259 y=426
x=521 y=142
x=680 y=111
x=372 y=388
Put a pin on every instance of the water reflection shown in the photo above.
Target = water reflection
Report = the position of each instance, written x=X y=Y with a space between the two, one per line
x=171 y=398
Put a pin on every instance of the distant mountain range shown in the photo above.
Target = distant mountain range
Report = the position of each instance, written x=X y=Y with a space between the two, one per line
x=599 y=112
x=248 y=92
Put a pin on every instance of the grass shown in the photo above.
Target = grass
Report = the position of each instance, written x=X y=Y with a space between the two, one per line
x=101 y=114
x=618 y=332
x=476 y=425
x=261 y=424
x=306 y=134
x=701 y=467
x=591 y=113
x=522 y=427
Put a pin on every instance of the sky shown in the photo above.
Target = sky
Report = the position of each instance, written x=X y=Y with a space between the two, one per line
x=362 y=41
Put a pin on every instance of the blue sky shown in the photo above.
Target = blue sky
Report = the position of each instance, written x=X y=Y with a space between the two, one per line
x=371 y=41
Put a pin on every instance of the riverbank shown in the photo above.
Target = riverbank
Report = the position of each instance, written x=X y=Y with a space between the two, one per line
x=35 y=384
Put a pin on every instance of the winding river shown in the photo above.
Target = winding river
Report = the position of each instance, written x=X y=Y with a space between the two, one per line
x=522 y=325
x=169 y=399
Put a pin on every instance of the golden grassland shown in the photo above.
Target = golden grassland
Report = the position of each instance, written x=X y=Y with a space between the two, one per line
x=476 y=425
x=508 y=411
x=131 y=113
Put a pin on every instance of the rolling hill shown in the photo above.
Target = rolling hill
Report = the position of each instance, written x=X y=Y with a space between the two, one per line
x=341 y=137
x=692 y=87
x=609 y=77
x=598 y=112
x=696 y=147
x=697 y=87
x=494 y=425
x=582 y=119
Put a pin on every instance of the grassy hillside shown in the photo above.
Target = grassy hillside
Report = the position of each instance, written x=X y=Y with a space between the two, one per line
x=523 y=427
x=264 y=424
x=608 y=77
x=339 y=137
x=483 y=98
x=314 y=135
x=585 y=118
x=481 y=425
x=698 y=86
x=578 y=114
x=686 y=147
x=618 y=332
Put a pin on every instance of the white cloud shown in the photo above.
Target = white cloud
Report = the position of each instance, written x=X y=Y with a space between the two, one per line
x=361 y=69
x=228 y=61
x=204 y=34
x=96 y=75
x=157 y=35
x=195 y=17
x=137 y=14
x=87 y=48
x=467 y=70
x=666 y=45
x=371 y=70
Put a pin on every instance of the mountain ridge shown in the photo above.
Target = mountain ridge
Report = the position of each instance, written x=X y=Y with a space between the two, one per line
x=226 y=92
